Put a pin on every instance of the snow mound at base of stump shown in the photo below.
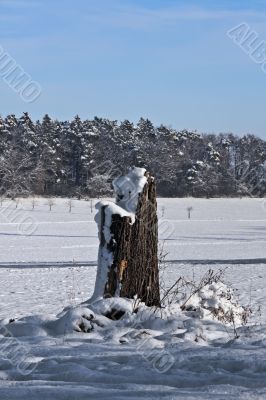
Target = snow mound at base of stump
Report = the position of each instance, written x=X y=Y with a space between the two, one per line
x=210 y=314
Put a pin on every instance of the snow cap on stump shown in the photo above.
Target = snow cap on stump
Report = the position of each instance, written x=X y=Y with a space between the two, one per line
x=128 y=188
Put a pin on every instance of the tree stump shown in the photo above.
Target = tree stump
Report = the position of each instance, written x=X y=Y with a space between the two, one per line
x=128 y=233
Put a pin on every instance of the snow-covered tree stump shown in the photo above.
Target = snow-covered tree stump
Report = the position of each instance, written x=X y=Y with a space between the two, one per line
x=128 y=234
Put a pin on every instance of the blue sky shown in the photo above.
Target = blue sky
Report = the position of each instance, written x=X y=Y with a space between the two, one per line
x=167 y=60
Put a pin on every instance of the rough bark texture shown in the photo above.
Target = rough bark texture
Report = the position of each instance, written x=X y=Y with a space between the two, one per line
x=135 y=248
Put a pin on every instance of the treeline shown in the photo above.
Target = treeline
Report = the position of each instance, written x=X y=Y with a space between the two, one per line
x=81 y=157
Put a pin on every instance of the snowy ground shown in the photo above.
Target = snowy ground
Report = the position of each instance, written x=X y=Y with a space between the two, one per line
x=219 y=229
x=100 y=365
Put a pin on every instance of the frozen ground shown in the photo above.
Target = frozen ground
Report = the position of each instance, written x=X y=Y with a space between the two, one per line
x=117 y=360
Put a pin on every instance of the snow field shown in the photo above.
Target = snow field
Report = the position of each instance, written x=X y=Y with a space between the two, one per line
x=183 y=355
x=223 y=229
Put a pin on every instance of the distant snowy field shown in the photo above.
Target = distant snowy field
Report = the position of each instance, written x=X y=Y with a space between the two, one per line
x=223 y=229
x=96 y=365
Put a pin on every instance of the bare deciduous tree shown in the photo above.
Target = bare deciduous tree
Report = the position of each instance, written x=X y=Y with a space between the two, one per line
x=50 y=203
x=70 y=205
x=189 y=210
x=34 y=203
